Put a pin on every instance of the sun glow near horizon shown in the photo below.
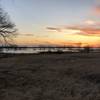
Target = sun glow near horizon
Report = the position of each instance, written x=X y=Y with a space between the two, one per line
x=61 y=39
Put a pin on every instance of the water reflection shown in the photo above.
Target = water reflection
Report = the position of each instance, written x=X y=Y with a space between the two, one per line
x=40 y=50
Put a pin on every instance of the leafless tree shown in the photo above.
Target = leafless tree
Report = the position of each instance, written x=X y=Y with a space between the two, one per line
x=7 y=28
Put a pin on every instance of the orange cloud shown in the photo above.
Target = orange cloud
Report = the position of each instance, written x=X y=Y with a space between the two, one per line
x=86 y=30
x=91 y=29
x=96 y=10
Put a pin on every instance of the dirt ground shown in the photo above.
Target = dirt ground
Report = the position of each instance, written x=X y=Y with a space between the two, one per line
x=73 y=76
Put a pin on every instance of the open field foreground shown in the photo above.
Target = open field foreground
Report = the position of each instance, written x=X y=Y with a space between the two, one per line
x=50 y=77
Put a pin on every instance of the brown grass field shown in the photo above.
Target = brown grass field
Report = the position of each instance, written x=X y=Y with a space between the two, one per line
x=73 y=76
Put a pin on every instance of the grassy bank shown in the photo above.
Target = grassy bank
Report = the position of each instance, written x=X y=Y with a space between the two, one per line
x=72 y=76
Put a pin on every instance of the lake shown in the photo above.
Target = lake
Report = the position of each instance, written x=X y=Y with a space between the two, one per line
x=39 y=50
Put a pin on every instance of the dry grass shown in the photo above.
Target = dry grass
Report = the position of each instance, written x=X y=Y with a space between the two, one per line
x=50 y=77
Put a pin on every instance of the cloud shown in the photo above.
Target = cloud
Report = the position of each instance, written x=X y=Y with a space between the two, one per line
x=85 y=30
x=91 y=28
x=26 y=34
x=96 y=10
x=54 y=29
x=89 y=22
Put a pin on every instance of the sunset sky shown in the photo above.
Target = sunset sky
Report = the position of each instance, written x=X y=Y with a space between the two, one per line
x=55 y=22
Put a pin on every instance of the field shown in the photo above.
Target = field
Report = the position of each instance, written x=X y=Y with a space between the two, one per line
x=72 y=76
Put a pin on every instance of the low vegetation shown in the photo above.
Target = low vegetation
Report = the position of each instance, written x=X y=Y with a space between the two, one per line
x=73 y=76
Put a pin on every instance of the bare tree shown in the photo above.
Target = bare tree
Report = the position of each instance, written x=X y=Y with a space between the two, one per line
x=7 y=28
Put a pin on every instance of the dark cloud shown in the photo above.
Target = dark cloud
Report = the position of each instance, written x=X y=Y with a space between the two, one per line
x=54 y=29
x=26 y=34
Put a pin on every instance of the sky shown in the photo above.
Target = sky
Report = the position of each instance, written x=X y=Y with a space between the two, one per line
x=55 y=22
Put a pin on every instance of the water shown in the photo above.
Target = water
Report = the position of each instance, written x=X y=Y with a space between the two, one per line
x=36 y=50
